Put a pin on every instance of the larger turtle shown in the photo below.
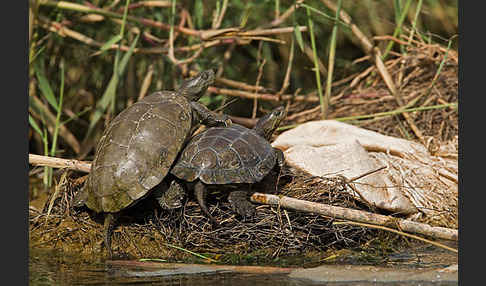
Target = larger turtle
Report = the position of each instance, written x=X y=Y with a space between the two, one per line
x=140 y=145
x=230 y=155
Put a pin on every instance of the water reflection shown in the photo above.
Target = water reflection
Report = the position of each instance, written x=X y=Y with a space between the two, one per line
x=47 y=267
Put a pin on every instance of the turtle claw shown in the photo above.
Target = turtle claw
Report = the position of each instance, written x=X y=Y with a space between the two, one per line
x=220 y=120
x=246 y=210
x=227 y=122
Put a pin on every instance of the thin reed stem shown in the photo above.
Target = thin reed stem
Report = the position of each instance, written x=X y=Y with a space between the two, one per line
x=397 y=29
x=330 y=69
x=316 y=63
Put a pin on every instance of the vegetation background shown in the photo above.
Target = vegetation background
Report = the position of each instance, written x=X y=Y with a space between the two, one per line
x=88 y=60
x=389 y=66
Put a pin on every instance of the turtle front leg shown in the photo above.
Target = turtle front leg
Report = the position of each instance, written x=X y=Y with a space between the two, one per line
x=280 y=157
x=209 y=118
x=241 y=205
x=171 y=197
x=278 y=168
x=109 y=225
x=201 y=193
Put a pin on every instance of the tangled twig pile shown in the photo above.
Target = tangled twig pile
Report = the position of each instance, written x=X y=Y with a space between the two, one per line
x=146 y=231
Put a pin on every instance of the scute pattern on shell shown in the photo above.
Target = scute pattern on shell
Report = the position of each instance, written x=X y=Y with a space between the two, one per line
x=225 y=155
x=137 y=150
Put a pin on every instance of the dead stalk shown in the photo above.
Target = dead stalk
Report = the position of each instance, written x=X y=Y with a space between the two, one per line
x=398 y=232
x=54 y=162
x=355 y=215
x=262 y=96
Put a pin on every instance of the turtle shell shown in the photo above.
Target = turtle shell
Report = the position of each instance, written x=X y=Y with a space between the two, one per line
x=136 y=150
x=225 y=155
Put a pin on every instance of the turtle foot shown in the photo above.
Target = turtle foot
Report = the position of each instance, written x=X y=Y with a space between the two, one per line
x=240 y=204
x=170 y=198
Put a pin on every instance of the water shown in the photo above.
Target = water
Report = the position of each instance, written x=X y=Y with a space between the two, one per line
x=49 y=267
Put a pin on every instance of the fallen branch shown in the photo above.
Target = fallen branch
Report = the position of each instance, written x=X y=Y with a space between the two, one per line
x=356 y=215
x=54 y=162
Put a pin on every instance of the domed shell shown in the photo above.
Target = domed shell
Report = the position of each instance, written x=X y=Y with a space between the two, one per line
x=137 y=150
x=224 y=155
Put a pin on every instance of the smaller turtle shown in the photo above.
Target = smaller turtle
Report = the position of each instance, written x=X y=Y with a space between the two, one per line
x=230 y=155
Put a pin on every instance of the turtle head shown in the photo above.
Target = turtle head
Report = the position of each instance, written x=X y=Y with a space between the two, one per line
x=266 y=125
x=195 y=87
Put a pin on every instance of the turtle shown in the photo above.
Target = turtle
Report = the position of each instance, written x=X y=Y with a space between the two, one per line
x=230 y=156
x=139 y=146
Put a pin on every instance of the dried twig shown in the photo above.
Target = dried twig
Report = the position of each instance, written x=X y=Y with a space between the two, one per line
x=259 y=76
x=148 y=3
x=283 y=17
x=236 y=84
x=263 y=96
x=397 y=232
x=355 y=215
x=54 y=162
x=286 y=82
x=146 y=82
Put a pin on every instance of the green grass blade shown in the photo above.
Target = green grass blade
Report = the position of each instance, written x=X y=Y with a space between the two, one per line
x=298 y=37
x=298 y=33
x=111 y=42
x=127 y=55
x=59 y=111
x=398 y=12
x=124 y=19
x=397 y=111
x=110 y=92
x=382 y=114
x=103 y=103
x=316 y=64
x=332 y=56
x=37 y=53
x=198 y=13
x=397 y=5
x=45 y=87
x=35 y=126
x=193 y=253
x=415 y=20
x=397 y=29
x=245 y=16
x=76 y=116
x=277 y=8
x=439 y=69
x=152 y=259
x=331 y=18
x=46 y=179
